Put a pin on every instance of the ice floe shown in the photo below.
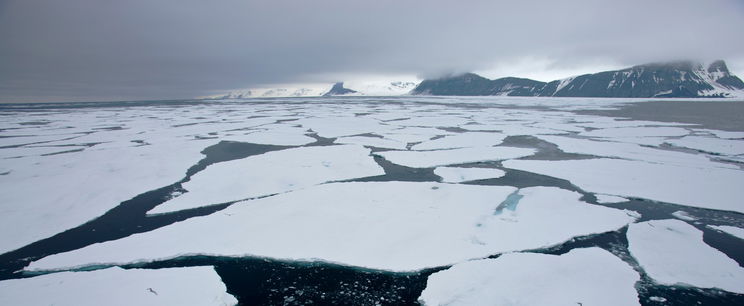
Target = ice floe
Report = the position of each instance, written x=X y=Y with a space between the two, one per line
x=51 y=194
x=672 y=252
x=711 y=145
x=632 y=151
x=398 y=226
x=376 y=142
x=683 y=215
x=457 y=175
x=428 y=159
x=116 y=286
x=609 y=199
x=462 y=140
x=636 y=131
x=590 y=276
x=737 y=232
x=271 y=173
x=713 y=188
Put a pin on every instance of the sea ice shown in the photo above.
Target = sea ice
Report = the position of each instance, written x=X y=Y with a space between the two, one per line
x=274 y=134
x=462 y=140
x=457 y=175
x=637 y=132
x=46 y=195
x=590 y=276
x=632 y=151
x=373 y=142
x=428 y=159
x=713 y=188
x=737 y=232
x=682 y=215
x=609 y=199
x=711 y=145
x=332 y=127
x=271 y=173
x=116 y=286
x=397 y=226
x=672 y=252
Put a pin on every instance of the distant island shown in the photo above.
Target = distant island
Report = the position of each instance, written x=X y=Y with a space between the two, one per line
x=682 y=79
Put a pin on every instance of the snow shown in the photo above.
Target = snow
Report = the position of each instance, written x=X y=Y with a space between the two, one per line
x=50 y=194
x=271 y=173
x=373 y=142
x=463 y=140
x=731 y=230
x=428 y=159
x=609 y=199
x=563 y=84
x=382 y=88
x=708 y=144
x=633 y=151
x=671 y=253
x=396 y=226
x=590 y=276
x=275 y=134
x=116 y=286
x=457 y=175
x=713 y=188
x=636 y=132
x=726 y=134
x=683 y=215
x=343 y=126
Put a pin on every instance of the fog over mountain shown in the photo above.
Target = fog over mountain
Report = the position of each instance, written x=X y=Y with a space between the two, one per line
x=145 y=49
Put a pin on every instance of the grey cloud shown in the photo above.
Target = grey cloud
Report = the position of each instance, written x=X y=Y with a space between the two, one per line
x=137 y=49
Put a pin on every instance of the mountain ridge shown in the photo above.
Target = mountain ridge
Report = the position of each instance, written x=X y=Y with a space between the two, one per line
x=682 y=79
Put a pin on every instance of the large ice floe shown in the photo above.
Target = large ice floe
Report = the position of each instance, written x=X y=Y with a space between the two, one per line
x=397 y=226
x=116 y=286
x=272 y=173
x=428 y=159
x=462 y=140
x=672 y=252
x=714 y=188
x=590 y=276
x=50 y=194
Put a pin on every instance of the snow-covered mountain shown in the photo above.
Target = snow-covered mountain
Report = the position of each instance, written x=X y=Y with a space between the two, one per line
x=362 y=88
x=677 y=79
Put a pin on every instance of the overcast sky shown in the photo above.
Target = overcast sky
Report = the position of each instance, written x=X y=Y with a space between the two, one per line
x=82 y=50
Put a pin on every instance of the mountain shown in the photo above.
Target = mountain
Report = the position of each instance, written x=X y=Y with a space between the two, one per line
x=338 y=89
x=677 y=79
x=365 y=88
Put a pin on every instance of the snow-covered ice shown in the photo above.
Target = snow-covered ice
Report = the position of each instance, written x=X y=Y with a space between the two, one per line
x=462 y=140
x=609 y=199
x=682 y=215
x=271 y=173
x=373 y=142
x=714 y=188
x=737 y=232
x=116 y=286
x=672 y=252
x=709 y=144
x=457 y=175
x=428 y=159
x=590 y=276
x=632 y=151
x=635 y=131
x=398 y=226
x=51 y=194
